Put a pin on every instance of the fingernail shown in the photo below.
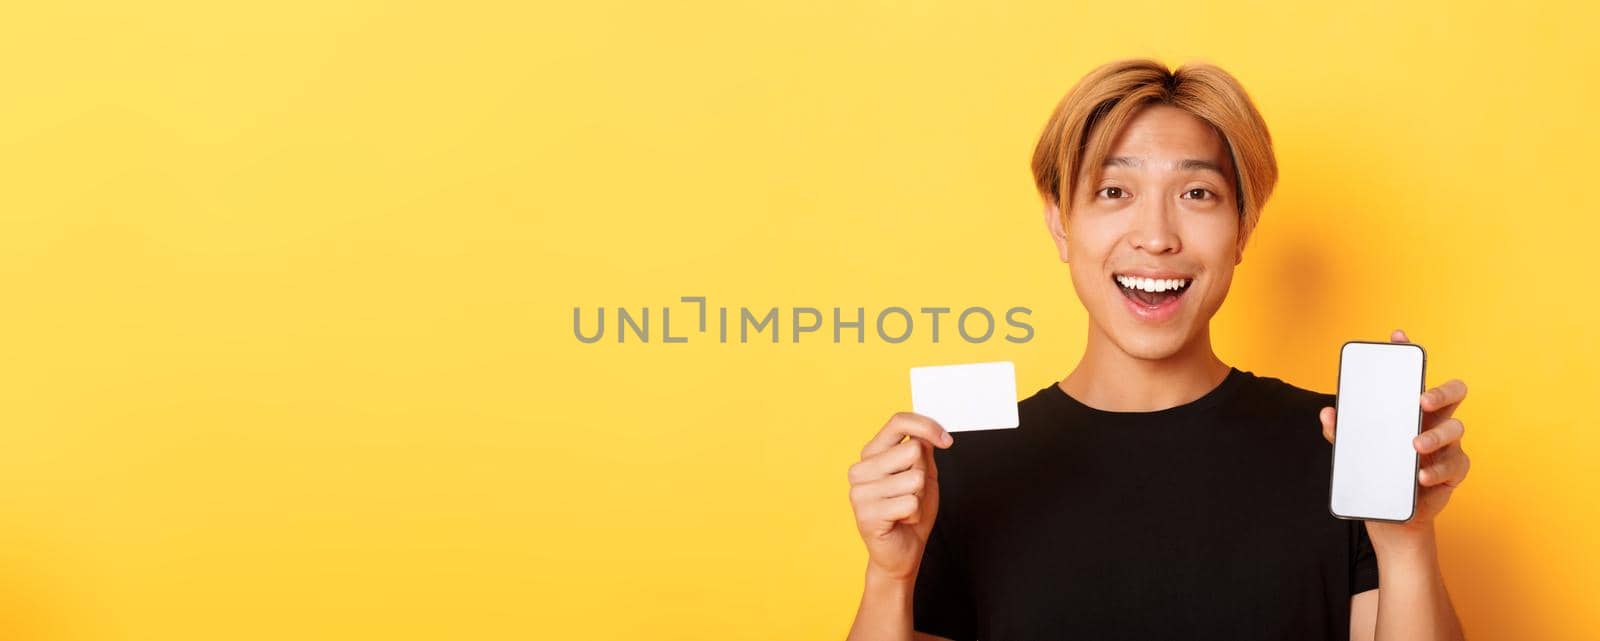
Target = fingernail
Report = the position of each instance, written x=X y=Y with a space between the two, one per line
x=948 y=439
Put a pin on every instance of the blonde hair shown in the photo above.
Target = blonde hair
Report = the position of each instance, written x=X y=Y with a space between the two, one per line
x=1112 y=93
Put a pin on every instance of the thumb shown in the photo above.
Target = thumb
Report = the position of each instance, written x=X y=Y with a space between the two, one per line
x=1327 y=417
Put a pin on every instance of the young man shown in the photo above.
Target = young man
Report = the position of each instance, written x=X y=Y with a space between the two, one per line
x=1155 y=492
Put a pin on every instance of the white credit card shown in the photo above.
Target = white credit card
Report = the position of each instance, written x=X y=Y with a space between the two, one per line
x=975 y=396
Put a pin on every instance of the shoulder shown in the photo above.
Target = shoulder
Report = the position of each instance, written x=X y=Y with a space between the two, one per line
x=1279 y=412
x=1271 y=393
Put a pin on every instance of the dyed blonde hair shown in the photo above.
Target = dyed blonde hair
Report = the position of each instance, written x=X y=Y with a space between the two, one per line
x=1074 y=140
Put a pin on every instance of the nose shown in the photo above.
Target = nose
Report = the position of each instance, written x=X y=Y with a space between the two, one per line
x=1153 y=228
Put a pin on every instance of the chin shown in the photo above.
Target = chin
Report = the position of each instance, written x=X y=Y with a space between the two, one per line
x=1150 y=344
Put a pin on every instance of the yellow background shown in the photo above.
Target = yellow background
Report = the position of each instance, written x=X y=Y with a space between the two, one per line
x=288 y=288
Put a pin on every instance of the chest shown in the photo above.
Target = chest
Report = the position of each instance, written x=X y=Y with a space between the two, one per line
x=1158 y=536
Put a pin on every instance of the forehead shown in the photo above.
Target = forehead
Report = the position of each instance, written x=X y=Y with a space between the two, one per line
x=1162 y=136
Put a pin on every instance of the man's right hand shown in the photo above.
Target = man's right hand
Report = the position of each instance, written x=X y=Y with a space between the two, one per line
x=894 y=492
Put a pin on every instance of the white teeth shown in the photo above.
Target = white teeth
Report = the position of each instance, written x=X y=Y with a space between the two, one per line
x=1151 y=284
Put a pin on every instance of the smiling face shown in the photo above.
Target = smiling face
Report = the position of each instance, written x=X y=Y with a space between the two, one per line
x=1152 y=240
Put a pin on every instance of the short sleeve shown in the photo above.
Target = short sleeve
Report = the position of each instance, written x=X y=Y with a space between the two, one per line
x=942 y=600
x=1363 y=561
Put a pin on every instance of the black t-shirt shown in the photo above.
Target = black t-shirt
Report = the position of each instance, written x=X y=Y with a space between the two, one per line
x=1208 y=520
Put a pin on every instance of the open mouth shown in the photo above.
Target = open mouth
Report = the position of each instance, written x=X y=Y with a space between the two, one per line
x=1151 y=292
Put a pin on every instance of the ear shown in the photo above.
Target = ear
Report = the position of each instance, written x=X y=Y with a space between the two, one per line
x=1053 y=222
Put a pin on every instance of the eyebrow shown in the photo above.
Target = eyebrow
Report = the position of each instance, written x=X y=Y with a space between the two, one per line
x=1185 y=164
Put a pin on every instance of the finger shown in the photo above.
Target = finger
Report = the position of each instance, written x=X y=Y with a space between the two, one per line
x=893 y=509
x=1327 y=418
x=1441 y=401
x=925 y=491
x=897 y=458
x=1445 y=433
x=915 y=516
x=1449 y=468
x=908 y=482
x=928 y=489
x=1436 y=496
x=904 y=424
x=1398 y=336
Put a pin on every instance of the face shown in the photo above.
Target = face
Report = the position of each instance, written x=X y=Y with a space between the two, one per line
x=1153 y=240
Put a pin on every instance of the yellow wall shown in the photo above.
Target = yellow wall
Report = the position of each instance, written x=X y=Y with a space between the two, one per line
x=287 y=292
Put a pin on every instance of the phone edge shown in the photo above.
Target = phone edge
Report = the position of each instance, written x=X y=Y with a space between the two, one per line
x=1416 y=459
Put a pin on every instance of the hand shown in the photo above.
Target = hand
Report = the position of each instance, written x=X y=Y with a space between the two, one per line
x=1443 y=465
x=894 y=492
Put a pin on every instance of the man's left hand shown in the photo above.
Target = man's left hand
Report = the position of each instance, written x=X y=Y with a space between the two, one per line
x=1443 y=464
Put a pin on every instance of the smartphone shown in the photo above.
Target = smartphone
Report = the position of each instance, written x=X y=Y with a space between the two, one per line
x=1378 y=413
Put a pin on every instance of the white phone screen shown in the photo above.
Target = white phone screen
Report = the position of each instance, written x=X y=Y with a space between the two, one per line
x=1377 y=416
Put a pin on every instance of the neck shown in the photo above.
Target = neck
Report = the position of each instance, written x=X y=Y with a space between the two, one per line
x=1110 y=379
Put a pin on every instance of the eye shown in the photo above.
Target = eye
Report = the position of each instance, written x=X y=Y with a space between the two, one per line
x=1199 y=194
x=1112 y=192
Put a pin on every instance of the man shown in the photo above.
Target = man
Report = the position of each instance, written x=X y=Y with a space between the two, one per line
x=1155 y=492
